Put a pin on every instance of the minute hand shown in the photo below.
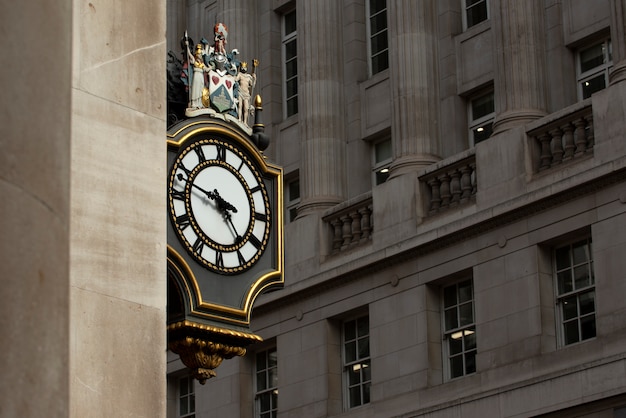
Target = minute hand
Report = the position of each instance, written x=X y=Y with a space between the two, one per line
x=222 y=204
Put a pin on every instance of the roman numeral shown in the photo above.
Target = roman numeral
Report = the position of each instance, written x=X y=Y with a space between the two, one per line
x=198 y=245
x=200 y=153
x=178 y=194
x=219 y=259
x=183 y=221
x=182 y=167
x=242 y=260
x=255 y=189
x=255 y=241
x=260 y=216
x=221 y=152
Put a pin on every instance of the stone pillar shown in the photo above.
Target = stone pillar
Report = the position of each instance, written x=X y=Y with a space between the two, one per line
x=520 y=65
x=241 y=19
x=321 y=104
x=618 y=40
x=414 y=84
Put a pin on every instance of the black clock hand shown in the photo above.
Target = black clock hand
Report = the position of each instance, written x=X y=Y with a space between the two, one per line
x=227 y=216
x=222 y=204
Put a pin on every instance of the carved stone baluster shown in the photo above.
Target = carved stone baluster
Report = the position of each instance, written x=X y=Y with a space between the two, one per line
x=579 y=134
x=337 y=232
x=590 y=137
x=455 y=187
x=546 y=155
x=356 y=226
x=568 y=141
x=346 y=222
x=444 y=179
x=435 y=196
x=474 y=179
x=466 y=183
x=557 y=146
x=366 y=223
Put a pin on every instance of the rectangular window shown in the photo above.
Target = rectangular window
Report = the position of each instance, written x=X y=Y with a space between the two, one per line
x=290 y=64
x=381 y=159
x=378 y=47
x=267 y=384
x=594 y=63
x=475 y=11
x=186 y=398
x=292 y=198
x=459 y=329
x=481 y=111
x=575 y=290
x=356 y=361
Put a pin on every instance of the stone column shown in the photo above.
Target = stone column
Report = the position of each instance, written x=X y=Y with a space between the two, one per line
x=321 y=104
x=618 y=40
x=414 y=84
x=520 y=65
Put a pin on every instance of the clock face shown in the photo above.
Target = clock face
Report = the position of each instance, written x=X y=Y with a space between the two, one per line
x=219 y=206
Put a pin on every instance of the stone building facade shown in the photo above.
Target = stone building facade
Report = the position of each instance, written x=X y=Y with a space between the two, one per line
x=455 y=209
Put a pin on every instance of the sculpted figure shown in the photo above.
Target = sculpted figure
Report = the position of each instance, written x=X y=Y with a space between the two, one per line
x=246 y=87
x=197 y=81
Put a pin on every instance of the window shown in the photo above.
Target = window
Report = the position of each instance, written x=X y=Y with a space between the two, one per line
x=460 y=329
x=381 y=159
x=475 y=11
x=378 y=47
x=575 y=290
x=481 y=111
x=292 y=197
x=267 y=384
x=594 y=63
x=290 y=64
x=356 y=361
x=186 y=398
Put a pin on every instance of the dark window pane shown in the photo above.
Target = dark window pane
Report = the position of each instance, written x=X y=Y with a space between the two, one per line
x=260 y=361
x=264 y=402
x=588 y=327
x=581 y=276
x=292 y=106
x=192 y=403
x=587 y=303
x=451 y=319
x=470 y=362
x=449 y=296
x=570 y=308
x=363 y=326
x=456 y=366
x=476 y=14
x=291 y=50
x=377 y=6
x=290 y=22
x=466 y=312
x=366 y=393
x=292 y=87
x=382 y=176
x=591 y=57
x=354 y=375
x=562 y=258
x=465 y=291
x=355 y=396
x=367 y=372
x=593 y=85
x=482 y=132
x=291 y=69
x=379 y=43
x=564 y=280
x=378 y=22
x=349 y=330
x=364 y=347
x=293 y=212
x=294 y=190
x=580 y=251
x=383 y=151
x=482 y=106
x=261 y=384
x=380 y=62
x=570 y=330
x=470 y=339
x=350 y=351
x=455 y=344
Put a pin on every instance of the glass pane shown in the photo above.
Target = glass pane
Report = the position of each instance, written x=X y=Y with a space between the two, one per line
x=570 y=310
x=379 y=43
x=349 y=330
x=350 y=351
x=591 y=57
x=273 y=378
x=592 y=278
x=451 y=319
x=192 y=403
x=290 y=50
x=378 y=22
x=366 y=393
x=291 y=69
x=482 y=106
x=264 y=402
x=449 y=296
x=580 y=252
x=570 y=331
x=184 y=408
x=470 y=362
x=581 y=276
x=476 y=14
x=364 y=347
x=292 y=87
x=465 y=291
x=377 y=6
x=466 y=314
x=562 y=258
x=564 y=280
x=482 y=132
x=382 y=151
x=381 y=176
x=261 y=384
x=355 y=396
x=380 y=62
x=292 y=214
x=363 y=326
x=292 y=106
x=290 y=22
x=587 y=304
x=593 y=85
x=456 y=366
x=354 y=374
x=367 y=371
x=588 y=327
x=470 y=339
x=455 y=345
x=294 y=190
x=260 y=361
x=274 y=400
x=184 y=386
x=272 y=358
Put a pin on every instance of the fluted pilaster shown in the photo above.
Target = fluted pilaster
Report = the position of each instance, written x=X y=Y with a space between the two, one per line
x=321 y=104
x=618 y=40
x=413 y=75
x=520 y=67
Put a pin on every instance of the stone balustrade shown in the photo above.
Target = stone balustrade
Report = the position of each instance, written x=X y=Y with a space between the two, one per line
x=350 y=223
x=563 y=139
x=450 y=185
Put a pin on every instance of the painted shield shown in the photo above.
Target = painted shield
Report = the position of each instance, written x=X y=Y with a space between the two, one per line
x=221 y=91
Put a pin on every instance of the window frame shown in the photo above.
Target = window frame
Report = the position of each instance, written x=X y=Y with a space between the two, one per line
x=465 y=9
x=379 y=167
x=268 y=372
x=363 y=363
x=189 y=396
x=291 y=203
x=467 y=331
x=286 y=39
x=561 y=298
x=371 y=36
x=603 y=69
x=482 y=121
